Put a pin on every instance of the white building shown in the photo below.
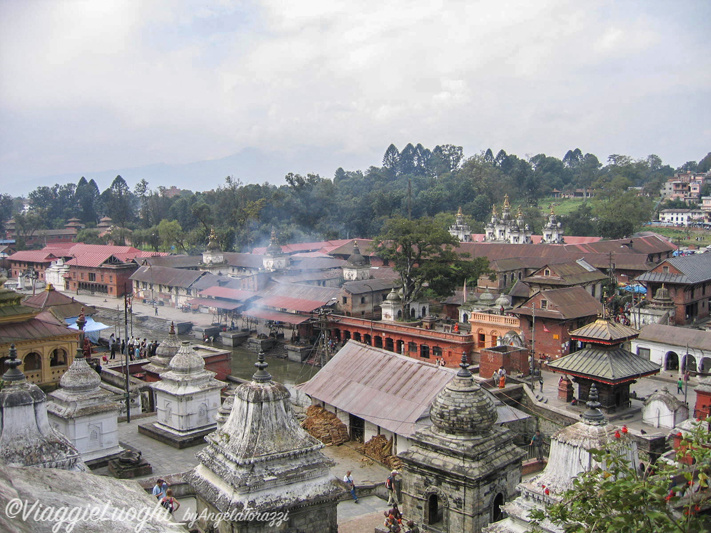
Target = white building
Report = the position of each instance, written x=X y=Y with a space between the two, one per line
x=681 y=217
x=668 y=345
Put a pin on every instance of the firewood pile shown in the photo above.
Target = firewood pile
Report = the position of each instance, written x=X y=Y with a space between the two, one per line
x=325 y=426
x=381 y=449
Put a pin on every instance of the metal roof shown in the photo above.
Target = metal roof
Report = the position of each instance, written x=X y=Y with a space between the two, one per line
x=217 y=304
x=385 y=388
x=694 y=338
x=292 y=304
x=170 y=277
x=42 y=326
x=693 y=269
x=611 y=366
x=241 y=260
x=228 y=293
x=173 y=261
x=277 y=316
x=605 y=331
x=571 y=273
x=33 y=256
x=369 y=285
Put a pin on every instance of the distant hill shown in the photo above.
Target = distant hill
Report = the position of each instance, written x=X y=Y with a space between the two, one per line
x=250 y=165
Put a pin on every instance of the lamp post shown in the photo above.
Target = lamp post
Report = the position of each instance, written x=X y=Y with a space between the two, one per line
x=533 y=342
x=125 y=323
x=372 y=312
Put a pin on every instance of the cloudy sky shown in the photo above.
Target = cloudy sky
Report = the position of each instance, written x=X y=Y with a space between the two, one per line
x=90 y=86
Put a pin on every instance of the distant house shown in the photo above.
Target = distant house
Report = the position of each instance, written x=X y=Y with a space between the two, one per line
x=574 y=274
x=668 y=345
x=688 y=280
x=681 y=217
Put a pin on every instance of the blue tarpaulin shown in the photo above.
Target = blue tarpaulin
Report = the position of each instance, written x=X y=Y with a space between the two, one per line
x=637 y=289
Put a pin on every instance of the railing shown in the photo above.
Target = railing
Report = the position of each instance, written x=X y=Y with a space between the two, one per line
x=495 y=319
x=532 y=451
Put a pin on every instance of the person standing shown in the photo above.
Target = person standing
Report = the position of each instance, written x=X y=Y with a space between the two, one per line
x=169 y=502
x=160 y=489
x=390 y=486
x=123 y=346
x=113 y=343
x=348 y=480
x=537 y=443
x=679 y=386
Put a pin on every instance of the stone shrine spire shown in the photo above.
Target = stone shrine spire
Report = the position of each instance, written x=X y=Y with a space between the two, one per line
x=26 y=437
x=262 y=460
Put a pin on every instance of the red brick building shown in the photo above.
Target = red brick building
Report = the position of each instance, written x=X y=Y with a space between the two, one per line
x=555 y=313
x=688 y=280
x=417 y=342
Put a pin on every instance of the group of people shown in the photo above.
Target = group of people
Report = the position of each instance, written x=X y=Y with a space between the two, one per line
x=165 y=496
x=135 y=348
x=499 y=377
x=393 y=516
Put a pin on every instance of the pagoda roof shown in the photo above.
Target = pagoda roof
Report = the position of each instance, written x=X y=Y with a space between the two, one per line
x=604 y=331
x=605 y=365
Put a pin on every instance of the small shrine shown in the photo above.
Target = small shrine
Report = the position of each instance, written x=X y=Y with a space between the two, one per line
x=82 y=411
x=274 y=258
x=569 y=456
x=187 y=398
x=165 y=351
x=460 y=229
x=262 y=461
x=552 y=231
x=664 y=410
x=357 y=266
x=603 y=361
x=213 y=256
x=26 y=436
x=506 y=228
x=461 y=470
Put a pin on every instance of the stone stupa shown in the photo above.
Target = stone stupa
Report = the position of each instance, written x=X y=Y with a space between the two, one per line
x=26 y=437
x=262 y=461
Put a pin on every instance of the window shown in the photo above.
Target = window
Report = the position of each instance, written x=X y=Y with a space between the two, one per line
x=437 y=351
x=544 y=304
x=58 y=357
x=643 y=352
x=665 y=269
x=32 y=361
x=546 y=272
x=425 y=351
x=345 y=300
x=362 y=299
x=411 y=347
x=92 y=276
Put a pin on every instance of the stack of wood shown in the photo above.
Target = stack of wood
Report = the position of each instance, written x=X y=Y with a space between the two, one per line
x=381 y=449
x=325 y=426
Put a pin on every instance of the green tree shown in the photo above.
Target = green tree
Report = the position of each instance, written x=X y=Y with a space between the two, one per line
x=89 y=236
x=6 y=210
x=118 y=202
x=171 y=234
x=618 y=497
x=423 y=254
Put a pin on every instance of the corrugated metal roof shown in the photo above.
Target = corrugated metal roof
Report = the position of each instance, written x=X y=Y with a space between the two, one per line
x=605 y=331
x=230 y=294
x=44 y=325
x=173 y=261
x=277 y=316
x=304 y=292
x=292 y=304
x=607 y=365
x=316 y=263
x=169 y=277
x=241 y=260
x=571 y=273
x=33 y=256
x=694 y=269
x=368 y=286
x=387 y=389
x=217 y=304
x=694 y=338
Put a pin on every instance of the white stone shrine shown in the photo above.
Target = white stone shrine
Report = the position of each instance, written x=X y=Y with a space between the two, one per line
x=84 y=412
x=26 y=437
x=187 y=398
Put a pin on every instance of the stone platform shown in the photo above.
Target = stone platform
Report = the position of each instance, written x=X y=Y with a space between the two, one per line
x=173 y=440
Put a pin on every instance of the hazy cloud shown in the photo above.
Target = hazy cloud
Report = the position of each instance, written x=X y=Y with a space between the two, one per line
x=87 y=86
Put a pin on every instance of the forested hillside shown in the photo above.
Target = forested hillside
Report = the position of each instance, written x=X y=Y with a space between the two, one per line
x=413 y=182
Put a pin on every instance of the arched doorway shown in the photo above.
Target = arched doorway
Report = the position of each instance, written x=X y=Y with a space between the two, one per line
x=378 y=341
x=688 y=363
x=346 y=335
x=389 y=345
x=671 y=361
x=32 y=362
x=497 y=512
x=58 y=357
x=356 y=336
x=400 y=347
x=465 y=318
x=434 y=511
x=705 y=365
x=367 y=339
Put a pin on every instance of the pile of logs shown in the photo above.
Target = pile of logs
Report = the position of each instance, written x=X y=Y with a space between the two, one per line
x=381 y=449
x=325 y=426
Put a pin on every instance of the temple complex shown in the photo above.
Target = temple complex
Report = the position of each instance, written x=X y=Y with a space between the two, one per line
x=506 y=228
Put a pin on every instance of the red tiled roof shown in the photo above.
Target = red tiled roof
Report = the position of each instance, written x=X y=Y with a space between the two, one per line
x=33 y=256
x=44 y=325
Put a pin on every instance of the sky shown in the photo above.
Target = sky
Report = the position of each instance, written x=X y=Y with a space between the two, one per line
x=155 y=87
